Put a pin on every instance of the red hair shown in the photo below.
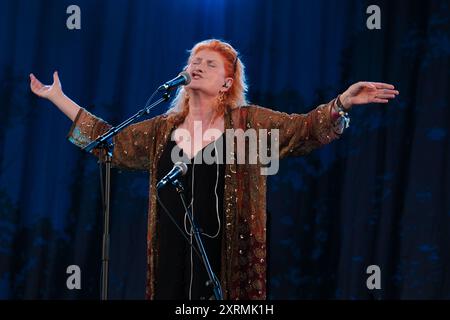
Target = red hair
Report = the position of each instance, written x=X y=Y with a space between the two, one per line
x=234 y=68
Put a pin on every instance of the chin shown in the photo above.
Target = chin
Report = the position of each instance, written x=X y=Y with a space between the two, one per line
x=198 y=88
x=193 y=86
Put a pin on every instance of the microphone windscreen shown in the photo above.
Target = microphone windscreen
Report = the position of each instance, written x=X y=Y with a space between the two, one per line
x=183 y=167
x=186 y=75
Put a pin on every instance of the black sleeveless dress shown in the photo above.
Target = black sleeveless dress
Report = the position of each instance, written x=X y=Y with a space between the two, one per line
x=173 y=271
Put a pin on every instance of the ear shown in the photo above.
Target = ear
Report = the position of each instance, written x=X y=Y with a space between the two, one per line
x=227 y=84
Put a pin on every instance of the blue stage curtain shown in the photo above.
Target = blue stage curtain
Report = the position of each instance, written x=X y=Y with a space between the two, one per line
x=378 y=196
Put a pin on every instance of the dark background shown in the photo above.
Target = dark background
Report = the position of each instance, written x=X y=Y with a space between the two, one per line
x=378 y=196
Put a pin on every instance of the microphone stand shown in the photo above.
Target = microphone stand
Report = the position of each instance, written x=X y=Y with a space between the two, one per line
x=105 y=143
x=212 y=277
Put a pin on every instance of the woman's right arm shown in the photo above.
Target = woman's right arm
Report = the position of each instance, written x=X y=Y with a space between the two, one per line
x=55 y=94
x=132 y=146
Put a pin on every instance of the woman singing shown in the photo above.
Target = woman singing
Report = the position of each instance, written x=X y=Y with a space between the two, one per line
x=228 y=200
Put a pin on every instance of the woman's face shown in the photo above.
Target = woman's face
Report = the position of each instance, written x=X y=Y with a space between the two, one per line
x=207 y=72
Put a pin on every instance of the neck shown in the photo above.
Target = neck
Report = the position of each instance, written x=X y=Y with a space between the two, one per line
x=201 y=106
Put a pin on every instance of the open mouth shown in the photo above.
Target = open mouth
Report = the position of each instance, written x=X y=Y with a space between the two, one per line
x=196 y=75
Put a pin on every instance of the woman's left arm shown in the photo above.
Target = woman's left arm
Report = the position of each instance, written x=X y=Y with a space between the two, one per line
x=299 y=134
x=360 y=93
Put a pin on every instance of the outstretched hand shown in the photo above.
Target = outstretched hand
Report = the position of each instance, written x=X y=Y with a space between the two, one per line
x=46 y=91
x=368 y=92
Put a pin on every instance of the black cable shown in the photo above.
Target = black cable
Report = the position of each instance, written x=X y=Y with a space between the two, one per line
x=149 y=100
x=176 y=224
x=204 y=265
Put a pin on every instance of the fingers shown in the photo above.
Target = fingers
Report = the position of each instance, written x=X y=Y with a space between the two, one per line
x=35 y=84
x=55 y=77
x=387 y=92
x=369 y=85
x=385 y=96
x=34 y=80
x=378 y=100
x=382 y=85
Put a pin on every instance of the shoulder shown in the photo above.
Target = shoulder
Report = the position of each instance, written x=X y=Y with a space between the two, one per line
x=163 y=119
x=247 y=110
x=152 y=124
x=251 y=116
x=253 y=111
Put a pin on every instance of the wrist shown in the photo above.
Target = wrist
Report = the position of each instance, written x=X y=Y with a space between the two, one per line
x=339 y=114
x=343 y=102
x=57 y=97
x=334 y=111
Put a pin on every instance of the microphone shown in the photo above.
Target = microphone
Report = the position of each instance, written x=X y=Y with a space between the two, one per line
x=182 y=79
x=179 y=169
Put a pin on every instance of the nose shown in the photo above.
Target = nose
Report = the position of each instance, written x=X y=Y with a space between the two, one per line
x=198 y=68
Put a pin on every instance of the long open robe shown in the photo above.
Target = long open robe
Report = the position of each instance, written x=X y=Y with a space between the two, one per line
x=244 y=264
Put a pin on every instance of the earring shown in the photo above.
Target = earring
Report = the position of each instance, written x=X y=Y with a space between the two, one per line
x=221 y=97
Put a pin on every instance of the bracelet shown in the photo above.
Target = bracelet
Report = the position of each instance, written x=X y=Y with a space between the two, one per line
x=342 y=112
